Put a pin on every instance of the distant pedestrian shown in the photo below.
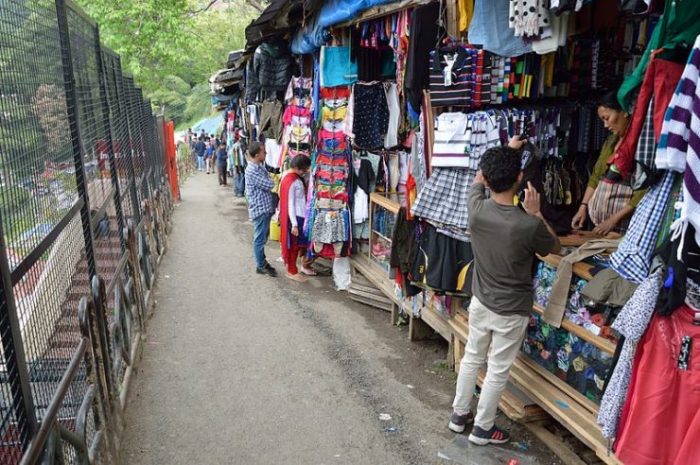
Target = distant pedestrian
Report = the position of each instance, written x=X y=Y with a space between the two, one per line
x=221 y=163
x=292 y=213
x=199 y=149
x=209 y=155
x=258 y=192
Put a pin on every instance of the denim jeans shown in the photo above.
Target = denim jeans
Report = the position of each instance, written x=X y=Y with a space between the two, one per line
x=261 y=232
x=200 y=163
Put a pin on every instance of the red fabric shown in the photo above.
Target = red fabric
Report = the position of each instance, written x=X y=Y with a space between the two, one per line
x=411 y=195
x=335 y=92
x=290 y=259
x=285 y=231
x=662 y=422
x=660 y=82
x=293 y=110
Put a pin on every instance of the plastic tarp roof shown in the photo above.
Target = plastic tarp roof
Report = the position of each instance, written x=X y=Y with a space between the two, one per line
x=225 y=75
x=310 y=38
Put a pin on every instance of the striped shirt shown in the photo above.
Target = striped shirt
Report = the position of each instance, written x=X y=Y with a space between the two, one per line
x=679 y=143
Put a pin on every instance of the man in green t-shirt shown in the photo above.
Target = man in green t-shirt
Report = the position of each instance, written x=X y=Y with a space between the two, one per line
x=505 y=239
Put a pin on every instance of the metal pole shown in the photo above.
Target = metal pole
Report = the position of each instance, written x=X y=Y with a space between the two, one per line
x=127 y=151
x=105 y=385
x=22 y=402
x=106 y=121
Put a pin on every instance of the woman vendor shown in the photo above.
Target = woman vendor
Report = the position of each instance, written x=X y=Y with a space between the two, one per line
x=609 y=200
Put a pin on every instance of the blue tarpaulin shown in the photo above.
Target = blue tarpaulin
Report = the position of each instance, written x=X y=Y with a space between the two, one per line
x=310 y=38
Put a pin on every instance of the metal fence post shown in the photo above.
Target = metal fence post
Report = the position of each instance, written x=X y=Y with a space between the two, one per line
x=104 y=384
x=130 y=159
x=22 y=402
x=109 y=140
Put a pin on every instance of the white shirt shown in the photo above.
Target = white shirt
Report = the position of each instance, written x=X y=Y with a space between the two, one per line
x=296 y=201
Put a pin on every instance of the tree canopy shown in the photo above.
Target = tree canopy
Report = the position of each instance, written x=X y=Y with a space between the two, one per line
x=171 y=46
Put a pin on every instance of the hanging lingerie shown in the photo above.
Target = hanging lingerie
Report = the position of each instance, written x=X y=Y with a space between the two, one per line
x=335 y=103
x=334 y=159
x=332 y=141
x=335 y=93
x=299 y=135
x=333 y=113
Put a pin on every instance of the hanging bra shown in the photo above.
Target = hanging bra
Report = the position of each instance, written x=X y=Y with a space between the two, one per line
x=332 y=174
x=299 y=135
x=334 y=144
x=332 y=141
x=293 y=153
x=293 y=111
x=332 y=193
x=335 y=92
x=333 y=113
x=335 y=103
x=300 y=121
x=331 y=160
x=330 y=204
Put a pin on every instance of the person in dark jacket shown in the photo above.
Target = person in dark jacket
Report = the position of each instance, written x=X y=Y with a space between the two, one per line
x=199 y=148
x=221 y=163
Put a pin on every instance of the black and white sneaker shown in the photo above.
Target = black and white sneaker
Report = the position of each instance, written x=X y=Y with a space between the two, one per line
x=458 y=423
x=495 y=435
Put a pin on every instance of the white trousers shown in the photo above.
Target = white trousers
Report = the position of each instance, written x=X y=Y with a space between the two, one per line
x=504 y=336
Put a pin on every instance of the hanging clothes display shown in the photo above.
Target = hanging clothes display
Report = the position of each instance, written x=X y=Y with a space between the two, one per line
x=630 y=323
x=489 y=28
x=663 y=400
x=330 y=223
x=370 y=115
x=679 y=149
x=443 y=200
x=425 y=32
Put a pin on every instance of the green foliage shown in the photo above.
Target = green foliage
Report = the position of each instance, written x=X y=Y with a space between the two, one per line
x=13 y=198
x=173 y=46
x=198 y=105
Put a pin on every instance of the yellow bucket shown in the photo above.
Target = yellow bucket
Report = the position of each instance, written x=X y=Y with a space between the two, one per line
x=274 y=230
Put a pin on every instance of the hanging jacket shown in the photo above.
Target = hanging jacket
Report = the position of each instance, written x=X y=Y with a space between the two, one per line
x=270 y=72
x=678 y=27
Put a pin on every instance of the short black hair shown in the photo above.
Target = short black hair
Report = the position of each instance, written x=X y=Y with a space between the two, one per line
x=501 y=167
x=254 y=148
x=610 y=101
x=300 y=162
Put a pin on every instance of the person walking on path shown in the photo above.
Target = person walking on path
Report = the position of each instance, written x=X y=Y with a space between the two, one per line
x=292 y=213
x=505 y=240
x=258 y=192
x=221 y=163
x=199 y=149
x=209 y=155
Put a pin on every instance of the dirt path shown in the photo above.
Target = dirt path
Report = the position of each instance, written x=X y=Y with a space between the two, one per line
x=240 y=368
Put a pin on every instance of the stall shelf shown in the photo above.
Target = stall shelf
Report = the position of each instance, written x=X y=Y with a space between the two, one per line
x=382 y=217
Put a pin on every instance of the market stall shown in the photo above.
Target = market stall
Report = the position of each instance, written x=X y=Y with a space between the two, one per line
x=396 y=102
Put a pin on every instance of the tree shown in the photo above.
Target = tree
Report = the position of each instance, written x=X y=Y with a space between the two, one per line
x=167 y=42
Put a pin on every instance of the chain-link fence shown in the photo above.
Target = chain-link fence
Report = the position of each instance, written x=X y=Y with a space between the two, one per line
x=83 y=202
